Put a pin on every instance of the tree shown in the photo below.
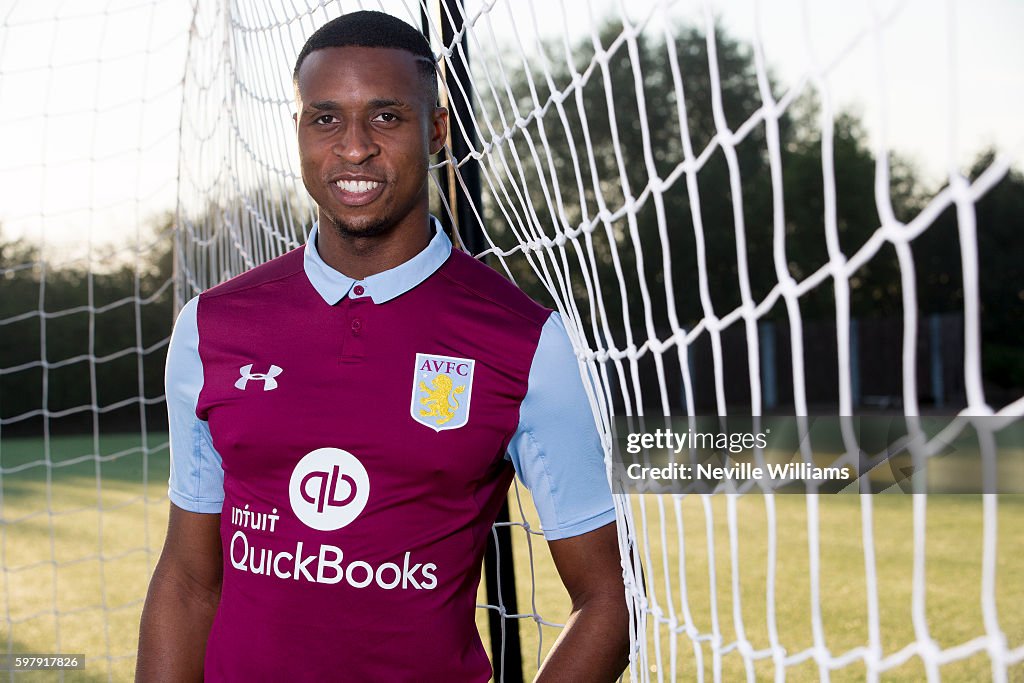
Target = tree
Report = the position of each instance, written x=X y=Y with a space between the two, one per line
x=1000 y=242
x=81 y=338
x=595 y=97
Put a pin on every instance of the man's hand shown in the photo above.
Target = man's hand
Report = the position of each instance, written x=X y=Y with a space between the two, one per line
x=182 y=599
x=595 y=643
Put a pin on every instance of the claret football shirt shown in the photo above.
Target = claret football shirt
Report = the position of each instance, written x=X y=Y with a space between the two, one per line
x=357 y=439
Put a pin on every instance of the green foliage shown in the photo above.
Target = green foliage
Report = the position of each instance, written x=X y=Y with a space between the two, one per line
x=77 y=343
x=998 y=215
x=576 y=180
x=611 y=105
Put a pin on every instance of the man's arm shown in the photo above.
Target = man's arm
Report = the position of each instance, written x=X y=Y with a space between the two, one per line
x=595 y=643
x=558 y=454
x=182 y=599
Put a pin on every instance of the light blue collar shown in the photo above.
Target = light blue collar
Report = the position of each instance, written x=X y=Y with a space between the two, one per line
x=333 y=285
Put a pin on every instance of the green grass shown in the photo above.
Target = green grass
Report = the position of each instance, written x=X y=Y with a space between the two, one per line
x=76 y=558
x=953 y=579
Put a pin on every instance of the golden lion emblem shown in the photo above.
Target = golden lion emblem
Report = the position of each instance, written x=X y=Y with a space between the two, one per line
x=439 y=399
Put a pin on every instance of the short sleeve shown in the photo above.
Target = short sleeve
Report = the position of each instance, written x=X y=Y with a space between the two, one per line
x=197 y=478
x=556 y=448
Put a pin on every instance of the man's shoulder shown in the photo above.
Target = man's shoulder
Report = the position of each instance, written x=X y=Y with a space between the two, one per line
x=483 y=282
x=280 y=268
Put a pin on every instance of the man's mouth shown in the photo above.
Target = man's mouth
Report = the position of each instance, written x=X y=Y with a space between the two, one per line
x=357 y=186
x=357 y=192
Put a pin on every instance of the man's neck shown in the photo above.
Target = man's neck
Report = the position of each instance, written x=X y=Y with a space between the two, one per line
x=361 y=257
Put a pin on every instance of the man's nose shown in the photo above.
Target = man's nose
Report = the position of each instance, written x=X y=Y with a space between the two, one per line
x=356 y=144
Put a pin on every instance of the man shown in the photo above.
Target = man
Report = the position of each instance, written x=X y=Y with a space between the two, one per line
x=344 y=419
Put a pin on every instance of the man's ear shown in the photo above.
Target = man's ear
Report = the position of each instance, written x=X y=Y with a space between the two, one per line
x=295 y=121
x=438 y=129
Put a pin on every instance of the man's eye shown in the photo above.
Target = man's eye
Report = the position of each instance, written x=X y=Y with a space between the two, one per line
x=326 y=118
x=386 y=117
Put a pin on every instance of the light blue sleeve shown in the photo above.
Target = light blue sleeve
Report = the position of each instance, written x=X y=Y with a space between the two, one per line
x=556 y=449
x=197 y=479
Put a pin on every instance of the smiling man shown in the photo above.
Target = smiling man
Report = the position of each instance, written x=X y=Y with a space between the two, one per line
x=346 y=421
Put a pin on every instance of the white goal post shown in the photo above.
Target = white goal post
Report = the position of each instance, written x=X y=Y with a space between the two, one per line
x=779 y=209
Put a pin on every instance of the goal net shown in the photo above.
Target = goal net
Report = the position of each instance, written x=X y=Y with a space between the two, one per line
x=89 y=99
x=773 y=210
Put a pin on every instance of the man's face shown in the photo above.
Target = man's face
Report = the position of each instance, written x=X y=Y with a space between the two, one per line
x=366 y=129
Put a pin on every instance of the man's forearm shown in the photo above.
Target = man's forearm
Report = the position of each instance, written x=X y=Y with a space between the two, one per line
x=593 y=647
x=176 y=622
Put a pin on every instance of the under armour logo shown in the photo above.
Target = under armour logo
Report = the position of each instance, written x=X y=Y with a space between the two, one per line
x=266 y=377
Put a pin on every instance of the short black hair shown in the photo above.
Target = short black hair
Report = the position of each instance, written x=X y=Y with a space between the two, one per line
x=368 y=28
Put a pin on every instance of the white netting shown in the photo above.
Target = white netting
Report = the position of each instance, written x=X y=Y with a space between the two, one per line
x=89 y=96
x=581 y=211
x=688 y=184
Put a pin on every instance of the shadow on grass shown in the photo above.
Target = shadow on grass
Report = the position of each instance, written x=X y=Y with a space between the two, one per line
x=123 y=462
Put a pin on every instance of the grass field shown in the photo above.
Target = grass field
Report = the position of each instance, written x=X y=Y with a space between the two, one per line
x=76 y=554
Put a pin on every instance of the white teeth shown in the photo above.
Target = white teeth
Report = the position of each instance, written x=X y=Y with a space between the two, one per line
x=357 y=186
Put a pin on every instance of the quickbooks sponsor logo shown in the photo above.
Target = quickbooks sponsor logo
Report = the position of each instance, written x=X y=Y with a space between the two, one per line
x=328 y=489
x=326 y=566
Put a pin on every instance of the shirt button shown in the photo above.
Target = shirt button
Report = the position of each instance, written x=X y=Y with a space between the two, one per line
x=357 y=325
x=358 y=289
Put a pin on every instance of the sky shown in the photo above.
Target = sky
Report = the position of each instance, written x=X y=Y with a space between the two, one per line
x=908 y=69
x=91 y=90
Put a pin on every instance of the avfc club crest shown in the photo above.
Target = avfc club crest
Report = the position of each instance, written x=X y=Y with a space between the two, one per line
x=441 y=389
